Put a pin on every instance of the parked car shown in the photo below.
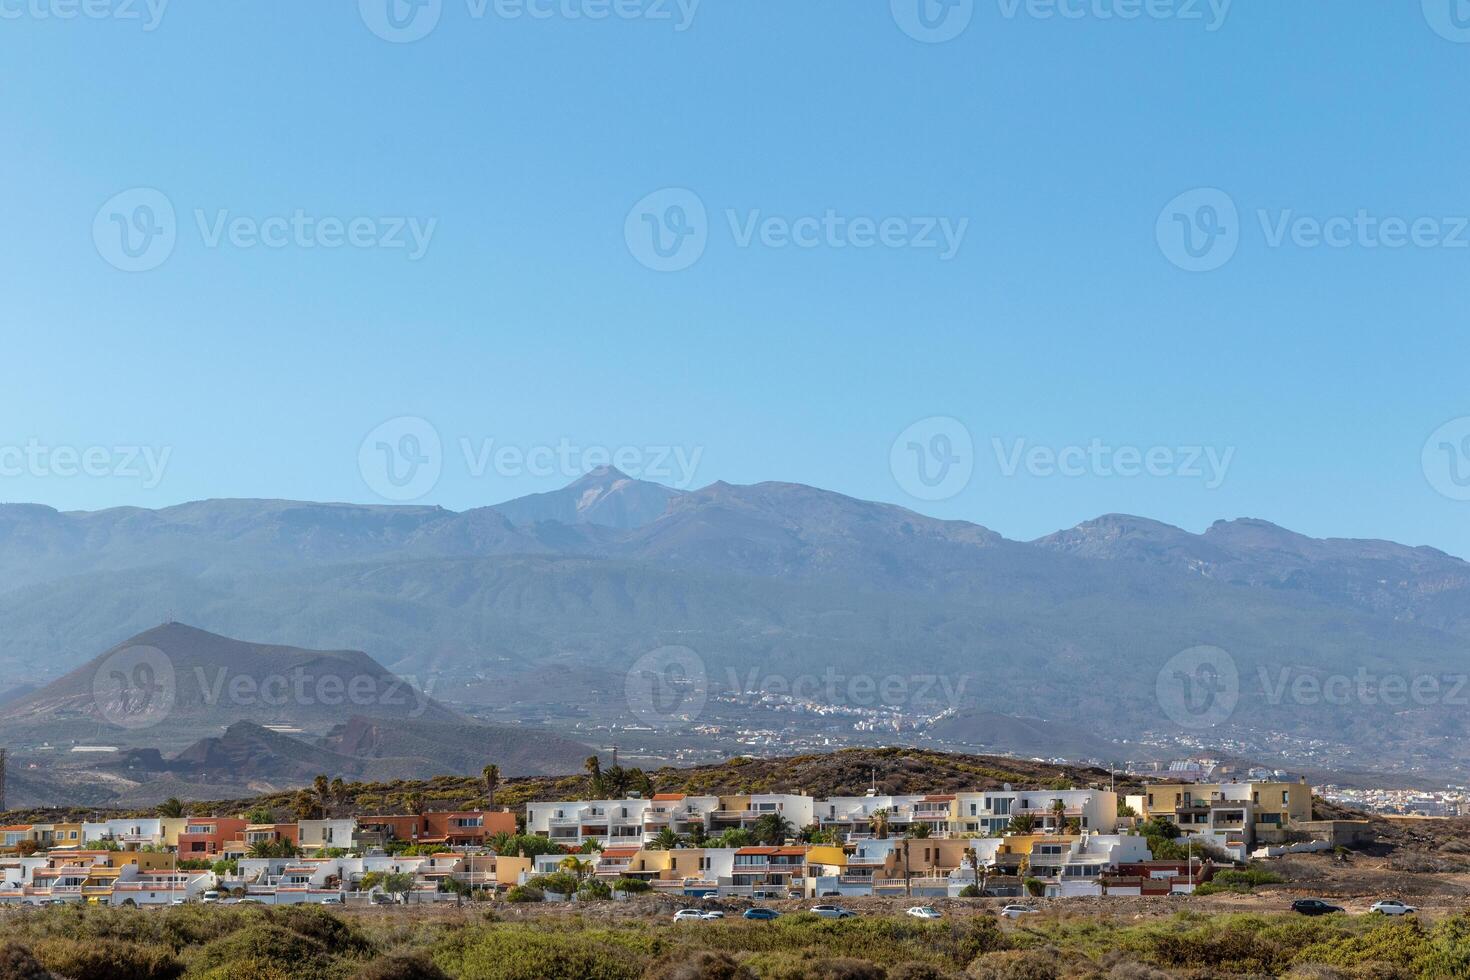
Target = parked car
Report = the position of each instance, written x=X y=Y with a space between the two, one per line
x=1392 y=906
x=763 y=914
x=689 y=915
x=833 y=912
x=332 y=900
x=211 y=896
x=1016 y=911
x=379 y=898
x=713 y=914
x=1314 y=906
x=925 y=912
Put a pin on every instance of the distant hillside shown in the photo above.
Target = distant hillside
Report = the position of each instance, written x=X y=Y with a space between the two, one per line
x=573 y=587
x=165 y=684
x=846 y=773
x=457 y=749
x=604 y=497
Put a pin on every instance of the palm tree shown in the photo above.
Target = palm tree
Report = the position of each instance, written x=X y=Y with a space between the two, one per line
x=1022 y=823
x=593 y=765
x=171 y=807
x=491 y=774
x=920 y=831
x=339 y=791
x=323 y=788
x=697 y=834
x=1058 y=813
x=575 y=866
x=1074 y=826
x=878 y=823
x=666 y=840
x=773 y=829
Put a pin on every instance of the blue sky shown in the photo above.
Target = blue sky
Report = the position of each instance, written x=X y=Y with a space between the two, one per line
x=520 y=147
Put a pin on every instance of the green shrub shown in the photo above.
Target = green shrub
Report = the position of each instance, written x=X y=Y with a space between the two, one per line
x=401 y=966
x=19 y=963
x=525 y=893
x=104 y=959
x=701 y=965
x=633 y=886
x=970 y=891
x=1026 y=964
x=296 y=955
x=500 y=953
x=594 y=891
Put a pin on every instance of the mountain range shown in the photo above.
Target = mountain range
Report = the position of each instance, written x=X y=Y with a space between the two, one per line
x=555 y=596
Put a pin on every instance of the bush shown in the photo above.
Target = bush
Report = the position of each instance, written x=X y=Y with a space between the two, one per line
x=702 y=965
x=107 y=959
x=19 y=963
x=594 y=891
x=401 y=966
x=293 y=954
x=1028 y=964
x=633 y=886
x=525 y=893
x=970 y=891
x=528 y=954
x=916 y=971
x=559 y=882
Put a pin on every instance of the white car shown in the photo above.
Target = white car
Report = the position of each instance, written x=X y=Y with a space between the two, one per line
x=714 y=914
x=1393 y=906
x=1016 y=911
x=689 y=915
x=833 y=912
x=925 y=912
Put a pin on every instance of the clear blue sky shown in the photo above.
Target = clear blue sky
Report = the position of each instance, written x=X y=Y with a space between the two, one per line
x=528 y=319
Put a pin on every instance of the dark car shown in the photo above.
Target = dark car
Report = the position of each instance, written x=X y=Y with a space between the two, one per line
x=764 y=914
x=1314 y=906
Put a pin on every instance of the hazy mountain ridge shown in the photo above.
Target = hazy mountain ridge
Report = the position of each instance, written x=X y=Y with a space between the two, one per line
x=780 y=578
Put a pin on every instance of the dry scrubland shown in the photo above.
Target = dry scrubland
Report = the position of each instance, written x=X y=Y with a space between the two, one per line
x=1129 y=939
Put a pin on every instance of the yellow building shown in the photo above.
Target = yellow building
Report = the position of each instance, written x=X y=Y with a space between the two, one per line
x=1244 y=810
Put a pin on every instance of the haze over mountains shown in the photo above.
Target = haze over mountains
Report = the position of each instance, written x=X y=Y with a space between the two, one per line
x=563 y=591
